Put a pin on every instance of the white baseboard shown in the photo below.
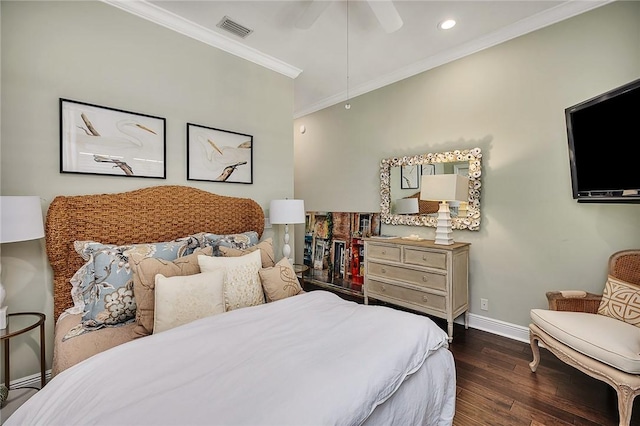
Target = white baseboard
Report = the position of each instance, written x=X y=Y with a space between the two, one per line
x=494 y=326
x=30 y=381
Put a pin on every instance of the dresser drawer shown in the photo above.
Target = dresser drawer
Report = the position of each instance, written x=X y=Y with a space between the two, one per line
x=412 y=276
x=383 y=252
x=414 y=256
x=417 y=297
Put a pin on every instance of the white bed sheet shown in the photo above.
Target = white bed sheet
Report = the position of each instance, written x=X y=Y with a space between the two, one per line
x=312 y=359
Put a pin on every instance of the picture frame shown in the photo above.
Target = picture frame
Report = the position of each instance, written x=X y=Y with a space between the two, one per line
x=428 y=169
x=99 y=140
x=410 y=177
x=216 y=155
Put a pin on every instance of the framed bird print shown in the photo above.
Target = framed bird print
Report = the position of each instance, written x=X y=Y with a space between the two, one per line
x=410 y=177
x=100 y=140
x=217 y=155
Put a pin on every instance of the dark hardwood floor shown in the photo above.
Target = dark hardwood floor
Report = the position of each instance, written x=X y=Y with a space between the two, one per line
x=496 y=386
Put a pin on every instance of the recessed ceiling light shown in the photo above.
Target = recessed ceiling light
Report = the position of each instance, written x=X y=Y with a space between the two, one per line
x=447 y=24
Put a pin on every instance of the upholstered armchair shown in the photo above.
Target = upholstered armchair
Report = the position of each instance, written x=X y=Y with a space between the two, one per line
x=598 y=335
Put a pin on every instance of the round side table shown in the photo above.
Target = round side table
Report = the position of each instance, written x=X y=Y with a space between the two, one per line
x=17 y=324
x=300 y=270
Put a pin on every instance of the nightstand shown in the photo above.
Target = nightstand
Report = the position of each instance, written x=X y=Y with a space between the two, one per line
x=17 y=324
x=300 y=271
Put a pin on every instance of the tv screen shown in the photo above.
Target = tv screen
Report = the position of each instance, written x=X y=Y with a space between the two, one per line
x=604 y=141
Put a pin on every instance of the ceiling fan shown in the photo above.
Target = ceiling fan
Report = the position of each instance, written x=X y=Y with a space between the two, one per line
x=384 y=10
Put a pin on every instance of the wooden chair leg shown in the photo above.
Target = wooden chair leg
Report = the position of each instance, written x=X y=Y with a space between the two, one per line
x=533 y=339
x=625 y=404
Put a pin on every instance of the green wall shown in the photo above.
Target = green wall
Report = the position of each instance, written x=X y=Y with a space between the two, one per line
x=508 y=100
x=92 y=52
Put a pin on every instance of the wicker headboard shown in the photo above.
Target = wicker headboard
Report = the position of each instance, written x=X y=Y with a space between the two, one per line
x=155 y=214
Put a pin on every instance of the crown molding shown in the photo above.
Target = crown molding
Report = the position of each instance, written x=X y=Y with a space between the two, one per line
x=151 y=12
x=543 y=19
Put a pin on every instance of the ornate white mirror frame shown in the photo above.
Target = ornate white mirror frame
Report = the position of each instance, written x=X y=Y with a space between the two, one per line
x=472 y=219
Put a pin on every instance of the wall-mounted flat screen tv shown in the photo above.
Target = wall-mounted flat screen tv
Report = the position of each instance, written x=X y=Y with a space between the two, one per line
x=604 y=145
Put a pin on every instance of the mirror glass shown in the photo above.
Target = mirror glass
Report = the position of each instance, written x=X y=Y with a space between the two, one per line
x=400 y=182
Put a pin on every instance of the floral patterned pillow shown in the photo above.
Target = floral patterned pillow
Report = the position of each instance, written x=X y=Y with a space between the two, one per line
x=236 y=241
x=103 y=287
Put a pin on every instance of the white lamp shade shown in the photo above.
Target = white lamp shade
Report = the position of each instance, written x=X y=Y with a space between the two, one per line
x=285 y=212
x=20 y=219
x=407 y=206
x=444 y=188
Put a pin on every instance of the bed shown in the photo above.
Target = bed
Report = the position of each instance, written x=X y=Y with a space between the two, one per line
x=306 y=359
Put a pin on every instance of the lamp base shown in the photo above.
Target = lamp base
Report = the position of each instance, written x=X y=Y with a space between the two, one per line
x=444 y=234
x=3 y=309
x=3 y=318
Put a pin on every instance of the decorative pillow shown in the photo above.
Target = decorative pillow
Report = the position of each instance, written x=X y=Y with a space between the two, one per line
x=182 y=299
x=106 y=286
x=280 y=281
x=145 y=270
x=621 y=300
x=241 y=282
x=266 y=252
x=238 y=241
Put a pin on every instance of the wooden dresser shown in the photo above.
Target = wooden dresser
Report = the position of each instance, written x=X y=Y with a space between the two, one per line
x=419 y=275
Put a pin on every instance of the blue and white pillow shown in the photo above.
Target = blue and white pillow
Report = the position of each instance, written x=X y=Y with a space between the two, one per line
x=103 y=287
x=237 y=241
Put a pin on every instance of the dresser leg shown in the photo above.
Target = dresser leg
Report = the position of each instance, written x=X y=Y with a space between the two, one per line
x=450 y=330
x=466 y=320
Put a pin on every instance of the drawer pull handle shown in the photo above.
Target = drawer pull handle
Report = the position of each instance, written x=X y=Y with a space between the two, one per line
x=383 y=288
x=384 y=271
x=425 y=299
x=424 y=278
x=384 y=252
x=424 y=257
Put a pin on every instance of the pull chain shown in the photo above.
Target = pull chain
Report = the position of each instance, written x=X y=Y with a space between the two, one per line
x=347 y=105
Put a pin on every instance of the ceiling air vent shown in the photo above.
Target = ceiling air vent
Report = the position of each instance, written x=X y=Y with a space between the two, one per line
x=234 y=28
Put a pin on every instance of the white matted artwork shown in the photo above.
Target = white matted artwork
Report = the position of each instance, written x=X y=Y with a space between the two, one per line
x=218 y=155
x=410 y=177
x=428 y=169
x=108 y=141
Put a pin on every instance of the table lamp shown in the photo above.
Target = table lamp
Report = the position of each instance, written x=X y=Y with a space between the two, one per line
x=286 y=212
x=444 y=188
x=20 y=220
x=407 y=206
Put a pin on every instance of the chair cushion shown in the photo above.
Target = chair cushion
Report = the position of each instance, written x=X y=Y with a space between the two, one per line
x=608 y=340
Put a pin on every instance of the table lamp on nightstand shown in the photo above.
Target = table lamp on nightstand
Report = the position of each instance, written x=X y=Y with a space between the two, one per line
x=444 y=188
x=20 y=220
x=286 y=212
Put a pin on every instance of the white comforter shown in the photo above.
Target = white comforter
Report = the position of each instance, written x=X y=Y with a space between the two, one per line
x=312 y=359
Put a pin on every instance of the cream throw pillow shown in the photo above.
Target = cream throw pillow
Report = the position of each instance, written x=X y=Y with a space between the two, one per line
x=145 y=270
x=280 y=281
x=621 y=300
x=266 y=252
x=241 y=281
x=182 y=299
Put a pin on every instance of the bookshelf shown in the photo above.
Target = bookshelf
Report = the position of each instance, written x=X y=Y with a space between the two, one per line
x=334 y=249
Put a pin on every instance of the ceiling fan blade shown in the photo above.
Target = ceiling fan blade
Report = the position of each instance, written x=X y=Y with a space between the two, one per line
x=311 y=13
x=387 y=15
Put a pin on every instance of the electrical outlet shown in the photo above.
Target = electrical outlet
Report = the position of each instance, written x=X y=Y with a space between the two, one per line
x=484 y=304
